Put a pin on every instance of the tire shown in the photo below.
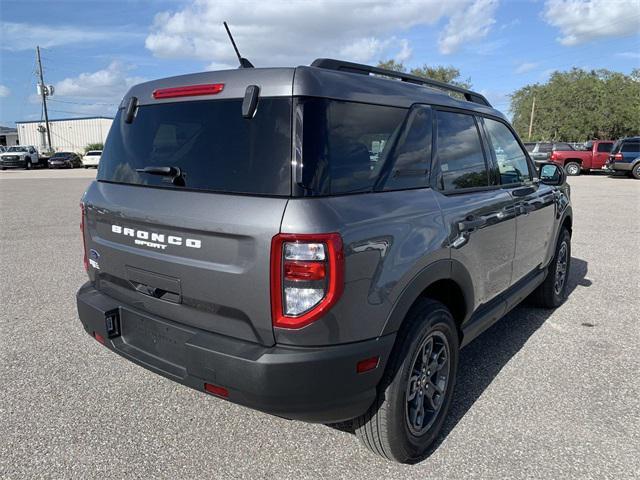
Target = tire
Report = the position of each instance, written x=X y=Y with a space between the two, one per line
x=635 y=172
x=27 y=164
x=548 y=295
x=573 y=169
x=389 y=428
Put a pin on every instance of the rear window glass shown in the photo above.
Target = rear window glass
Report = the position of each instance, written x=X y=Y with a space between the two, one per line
x=214 y=147
x=605 y=147
x=343 y=144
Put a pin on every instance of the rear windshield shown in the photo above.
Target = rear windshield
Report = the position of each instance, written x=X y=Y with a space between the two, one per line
x=215 y=148
x=344 y=144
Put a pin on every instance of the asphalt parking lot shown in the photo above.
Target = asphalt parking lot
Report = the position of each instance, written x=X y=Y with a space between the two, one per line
x=540 y=395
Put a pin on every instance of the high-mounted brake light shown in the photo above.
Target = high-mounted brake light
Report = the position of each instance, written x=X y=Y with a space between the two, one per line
x=307 y=277
x=188 y=91
x=85 y=259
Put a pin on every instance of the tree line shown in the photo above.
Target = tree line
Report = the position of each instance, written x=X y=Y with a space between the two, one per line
x=577 y=105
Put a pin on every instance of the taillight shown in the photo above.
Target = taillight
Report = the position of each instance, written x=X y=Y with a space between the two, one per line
x=188 y=91
x=554 y=156
x=85 y=259
x=618 y=157
x=307 y=277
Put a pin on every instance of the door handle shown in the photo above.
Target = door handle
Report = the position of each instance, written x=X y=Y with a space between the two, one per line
x=471 y=223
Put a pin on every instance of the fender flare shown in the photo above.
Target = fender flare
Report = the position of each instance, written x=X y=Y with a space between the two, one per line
x=439 y=270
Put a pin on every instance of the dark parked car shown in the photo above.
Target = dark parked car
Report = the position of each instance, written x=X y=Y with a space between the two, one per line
x=65 y=160
x=625 y=156
x=338 y=289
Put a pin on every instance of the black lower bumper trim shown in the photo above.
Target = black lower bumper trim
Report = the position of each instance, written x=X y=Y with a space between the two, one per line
x=314 y=384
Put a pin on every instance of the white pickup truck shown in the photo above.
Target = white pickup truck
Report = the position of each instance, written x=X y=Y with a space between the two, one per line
x=21 y=156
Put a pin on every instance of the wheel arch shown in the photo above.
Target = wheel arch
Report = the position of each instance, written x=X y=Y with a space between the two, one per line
x=446 y=281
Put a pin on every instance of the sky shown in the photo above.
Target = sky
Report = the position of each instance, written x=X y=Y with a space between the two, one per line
x=94 y=50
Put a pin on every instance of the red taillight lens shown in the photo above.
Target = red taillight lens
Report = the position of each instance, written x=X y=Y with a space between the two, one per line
x=188 y=91
x=307 y=277
x=85 y=259
x=618 y=157
x=98 y=337
x=297 y=270
x=554 y=156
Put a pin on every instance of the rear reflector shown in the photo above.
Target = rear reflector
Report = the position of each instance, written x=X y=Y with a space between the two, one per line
x=85 y=259
x=98 y=337
x=188 y=91
x=367 y=364
x=216 y=390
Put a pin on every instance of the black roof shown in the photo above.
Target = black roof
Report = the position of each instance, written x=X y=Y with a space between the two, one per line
x=338 y=84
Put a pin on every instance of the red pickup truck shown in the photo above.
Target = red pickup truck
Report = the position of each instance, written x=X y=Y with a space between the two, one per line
x=577 y=161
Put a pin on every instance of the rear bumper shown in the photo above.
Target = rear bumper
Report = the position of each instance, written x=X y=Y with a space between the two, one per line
x=317 y=384
x=622 y=166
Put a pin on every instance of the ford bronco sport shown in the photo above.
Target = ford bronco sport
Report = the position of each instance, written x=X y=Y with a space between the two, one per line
x=317 y=242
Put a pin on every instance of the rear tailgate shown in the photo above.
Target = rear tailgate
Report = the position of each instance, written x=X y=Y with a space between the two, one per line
x=200 y=259
x=189 y=194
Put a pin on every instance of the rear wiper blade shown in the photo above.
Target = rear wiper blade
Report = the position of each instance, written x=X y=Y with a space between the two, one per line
x=177 y=175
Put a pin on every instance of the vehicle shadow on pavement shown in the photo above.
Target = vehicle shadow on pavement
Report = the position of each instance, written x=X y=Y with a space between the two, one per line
x=483 y=359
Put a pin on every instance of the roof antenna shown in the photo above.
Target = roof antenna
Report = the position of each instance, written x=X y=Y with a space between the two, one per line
x=244 y=63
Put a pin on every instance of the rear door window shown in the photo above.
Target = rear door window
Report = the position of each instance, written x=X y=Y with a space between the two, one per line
x=461 y=161
x=209 y=141
x=631 y=146
x=511 y=159
x=544 y=147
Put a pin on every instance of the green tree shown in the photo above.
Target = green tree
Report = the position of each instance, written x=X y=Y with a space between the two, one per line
x=94 y=146
x=580 y=105
x=446 y=74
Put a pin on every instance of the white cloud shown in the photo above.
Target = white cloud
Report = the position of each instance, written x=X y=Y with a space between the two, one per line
x=405 y=51
x=111 y=82
x=291 y=33
x=4 y=91
x=580 y=21
x=633 y=55
x=468 y=24
x=25 y=36
x=526 y=67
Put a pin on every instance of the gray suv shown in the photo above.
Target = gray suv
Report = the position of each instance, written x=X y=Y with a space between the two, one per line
x=317 y=242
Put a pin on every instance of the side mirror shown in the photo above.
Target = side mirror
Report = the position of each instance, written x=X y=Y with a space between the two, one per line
x=551 y=174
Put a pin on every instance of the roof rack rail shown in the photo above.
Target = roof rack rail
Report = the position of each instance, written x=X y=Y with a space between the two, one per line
x=351 y=67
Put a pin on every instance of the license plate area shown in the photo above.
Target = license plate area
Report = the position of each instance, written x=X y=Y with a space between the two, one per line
x=155 y=337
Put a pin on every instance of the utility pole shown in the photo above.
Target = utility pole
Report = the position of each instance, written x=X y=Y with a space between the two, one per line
x=43 y=91
x=533 y=111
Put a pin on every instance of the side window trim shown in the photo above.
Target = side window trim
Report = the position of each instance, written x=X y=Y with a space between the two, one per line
x=435 y=165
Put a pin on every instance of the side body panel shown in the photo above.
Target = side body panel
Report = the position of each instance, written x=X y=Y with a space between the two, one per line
x=389 y=238
x=487 y=254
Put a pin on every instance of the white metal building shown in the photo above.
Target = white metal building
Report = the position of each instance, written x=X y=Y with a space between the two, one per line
x=8 y=136
x=67 y=134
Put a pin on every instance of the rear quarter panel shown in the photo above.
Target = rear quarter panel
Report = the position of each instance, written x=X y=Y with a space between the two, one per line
x=389 y=237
